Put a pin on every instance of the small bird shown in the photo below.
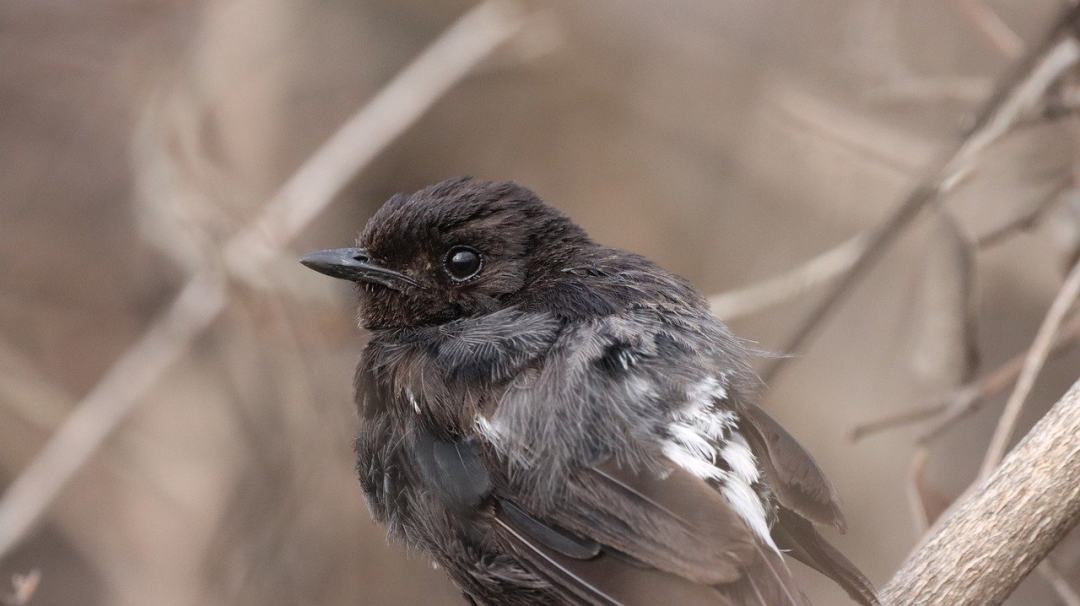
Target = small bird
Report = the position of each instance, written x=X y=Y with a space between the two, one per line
x=558 y=422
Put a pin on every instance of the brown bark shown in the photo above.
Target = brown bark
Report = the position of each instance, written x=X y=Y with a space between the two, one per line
x=1003 y=528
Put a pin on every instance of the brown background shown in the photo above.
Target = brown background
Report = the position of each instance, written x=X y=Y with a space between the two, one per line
x=726 y=140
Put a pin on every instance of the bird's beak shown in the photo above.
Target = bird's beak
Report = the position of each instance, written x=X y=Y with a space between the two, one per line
x=355 y=265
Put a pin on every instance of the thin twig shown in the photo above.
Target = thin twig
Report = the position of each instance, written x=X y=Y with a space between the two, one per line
x=1022 y=222
x=992 y=27
x=107 y=405
x=932 y=89
x=900 y=419
x=1024 y=86
x=790 y=284
x=314 y=186
x=967 y=402
x=1033 y=363
x=920 y=512
x=967 y=399
x=359 y=140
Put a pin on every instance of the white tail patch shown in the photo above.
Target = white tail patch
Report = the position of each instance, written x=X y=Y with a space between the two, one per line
x=736 y=453
x=747 y=504
x=697 y=444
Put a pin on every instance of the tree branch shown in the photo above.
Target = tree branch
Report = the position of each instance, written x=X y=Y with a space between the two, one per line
x=1002 y=529
x=1017 y=93
x=788 y=285
x=967 y=399
x=1033 y=364
x=307 y=193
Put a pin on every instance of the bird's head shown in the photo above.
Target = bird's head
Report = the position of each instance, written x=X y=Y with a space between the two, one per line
x=456 y=249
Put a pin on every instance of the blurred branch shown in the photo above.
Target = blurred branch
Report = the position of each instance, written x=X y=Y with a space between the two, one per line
x=967 y=399
x=1018 y=92
x=920 y=510
x=1002 y=529
x=367 y=133
x=1061 y=585
x=992 y=27
x=901 y=419
x=107 y=404
x=888 y=148
x=27 y=392
x=790 y=284
x=932 y=89
x=1022 y=222
x=1033 y=364
x=310 y=190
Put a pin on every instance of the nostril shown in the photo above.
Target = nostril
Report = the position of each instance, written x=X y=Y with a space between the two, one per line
x=362 y=256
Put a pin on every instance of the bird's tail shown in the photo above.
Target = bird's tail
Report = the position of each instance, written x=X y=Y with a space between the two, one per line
x=801 y=540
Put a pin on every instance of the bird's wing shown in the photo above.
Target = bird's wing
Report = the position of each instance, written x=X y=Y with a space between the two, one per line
x=618 y=537
x=585 y=572
x=798 y=537
x=792 y=474
x=619 y=440
x=630 y=537
x=610 y=543
x=805 y=496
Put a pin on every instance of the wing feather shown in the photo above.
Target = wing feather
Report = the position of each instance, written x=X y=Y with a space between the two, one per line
x=606 y=579
x=793 y=475
x=798 y=537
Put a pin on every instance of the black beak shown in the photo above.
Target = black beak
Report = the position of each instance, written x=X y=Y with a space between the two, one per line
x=354 y=264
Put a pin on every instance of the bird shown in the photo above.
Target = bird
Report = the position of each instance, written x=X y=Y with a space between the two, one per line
x=554 y=421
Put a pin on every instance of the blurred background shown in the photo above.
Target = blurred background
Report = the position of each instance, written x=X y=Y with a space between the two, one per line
x=729 y=141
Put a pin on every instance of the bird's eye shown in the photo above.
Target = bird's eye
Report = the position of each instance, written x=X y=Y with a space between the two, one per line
x=463 y=263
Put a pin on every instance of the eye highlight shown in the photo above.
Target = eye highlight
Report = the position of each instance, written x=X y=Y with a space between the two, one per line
x=463 y=262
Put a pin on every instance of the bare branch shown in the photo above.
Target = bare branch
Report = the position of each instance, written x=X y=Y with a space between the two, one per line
x=790 y=284
x=1019 y=91
x=900 y=419
x=1033 y=363
x=360 y=139
x=992 y=27
x=978 y=556
x=967 y=399
x=931 y=89
x=1022 y=222
x=944 y=344
x=107 y=404
x=920 y=510
x=314 y=185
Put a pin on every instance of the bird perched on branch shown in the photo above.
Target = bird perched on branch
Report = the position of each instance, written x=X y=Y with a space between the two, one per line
x=558 y=422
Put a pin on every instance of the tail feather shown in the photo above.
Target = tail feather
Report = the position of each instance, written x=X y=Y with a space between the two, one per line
x=768 y=582
x=801 y=540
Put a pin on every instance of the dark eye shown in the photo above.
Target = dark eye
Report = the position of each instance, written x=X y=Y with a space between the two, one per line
x=463 y=263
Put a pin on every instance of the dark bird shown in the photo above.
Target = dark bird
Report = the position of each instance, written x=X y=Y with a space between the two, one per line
x=558 y=422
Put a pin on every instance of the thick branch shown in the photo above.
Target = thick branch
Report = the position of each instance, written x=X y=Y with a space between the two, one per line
x=1002 y=529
